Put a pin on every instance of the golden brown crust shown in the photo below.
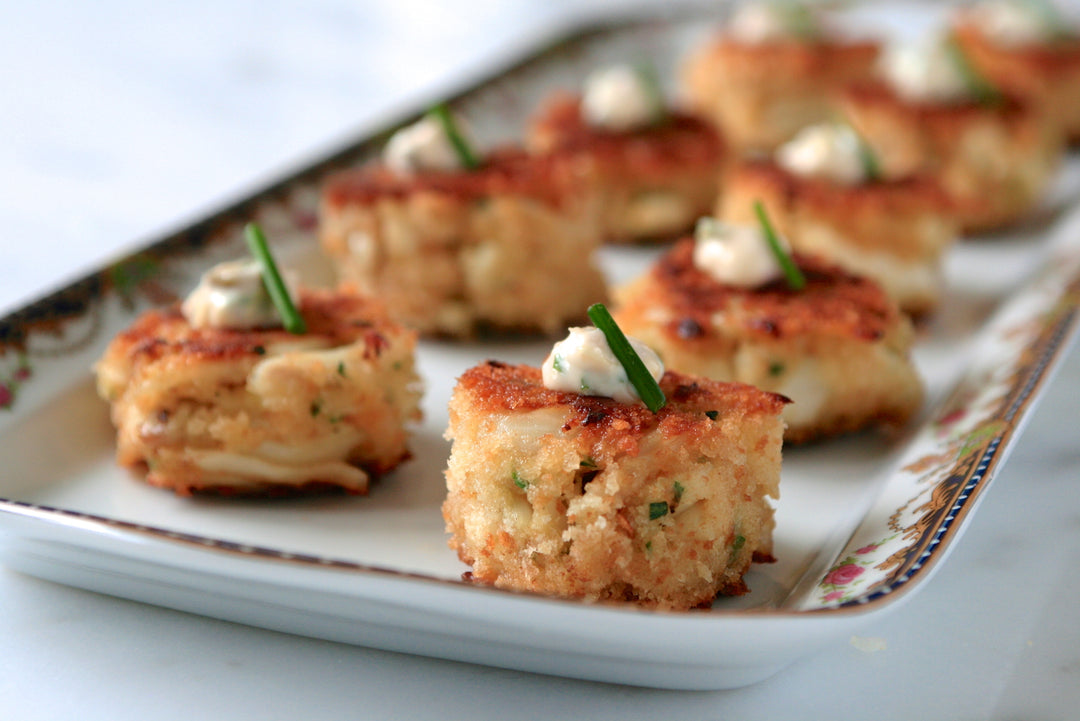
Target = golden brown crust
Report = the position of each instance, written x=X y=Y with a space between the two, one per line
x=263 y=411
x=1046 y=73
x=605 y=501
x=833 y=303
x=762 y=94
x=458 y=254
x=505 y=171
x=839 y=348
x=680 y=142
x=497 y=387
x=941 y=121
x=993 y=159
x=331 y=316
x=651 y=183
x=895 y=232
x=872 y=214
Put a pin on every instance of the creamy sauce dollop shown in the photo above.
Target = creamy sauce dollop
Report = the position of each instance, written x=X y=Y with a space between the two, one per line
x=757 y=23
x=1013 y=23
x=828 y=150
x=424 y=145
x=620 y=97
x=232 y=295
x=925 y=71
x=736 y=255
x=584 y=363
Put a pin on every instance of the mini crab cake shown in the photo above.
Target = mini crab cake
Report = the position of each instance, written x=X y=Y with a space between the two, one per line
x=822 y=198
x=838 y=348
x=260 y=410
x=994 y=154
x=592 y=498
x=773 y=70
x=655 y=171
x=507 y=246
x=1028 y=50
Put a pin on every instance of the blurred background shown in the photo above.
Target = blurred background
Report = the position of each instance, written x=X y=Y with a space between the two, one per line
x=124 y=119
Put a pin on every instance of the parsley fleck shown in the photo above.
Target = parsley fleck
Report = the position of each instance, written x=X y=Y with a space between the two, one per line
x=587 y=462
x=658 y=509
x=316 y=408
x=679 y=490
x=776 y=368
x=518 y=480
x=259 y=350
x=713 y=415
x=341 y=368
x=738 y=543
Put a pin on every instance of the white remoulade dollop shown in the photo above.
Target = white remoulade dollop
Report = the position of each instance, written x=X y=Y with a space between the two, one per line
x=827 y=150
x=1015 y=23
x=620 y=97
x=736 y=255
x=424 y=145
x=233 y=295
x=925 y=71
x=584 y=363
x=756 y=23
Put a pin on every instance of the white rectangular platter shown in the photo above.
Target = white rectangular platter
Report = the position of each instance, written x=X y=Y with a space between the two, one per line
x=862 y=521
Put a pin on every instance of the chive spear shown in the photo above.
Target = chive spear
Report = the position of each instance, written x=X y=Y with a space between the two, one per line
x=275 y=286
x=465 y=154
x=795 y=279
x=982 y=89
x=869 y=160
x=646 y=386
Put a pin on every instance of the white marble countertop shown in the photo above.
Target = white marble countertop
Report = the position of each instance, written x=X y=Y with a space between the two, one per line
x=122 y=120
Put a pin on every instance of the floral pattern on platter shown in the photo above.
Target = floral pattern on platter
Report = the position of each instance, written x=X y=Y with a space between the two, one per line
x=12 y=379
x=846 y=579
x=951 y=457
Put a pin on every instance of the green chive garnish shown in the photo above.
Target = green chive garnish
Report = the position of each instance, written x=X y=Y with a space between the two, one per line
x=981 y=89
x=290 y=317
x=794 y=276
x=658 y=509
x=650 y=80
x=465 y=154
x=646 y=386
x=869 y=160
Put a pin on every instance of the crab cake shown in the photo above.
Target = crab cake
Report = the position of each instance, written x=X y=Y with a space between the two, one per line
x=772 y=71
x=505 y=246
x=994 y=154
x=895 y=232
x=838 y=348
x=261 y=410
x=1028 y=53
x=592 y=498
x=654 y=172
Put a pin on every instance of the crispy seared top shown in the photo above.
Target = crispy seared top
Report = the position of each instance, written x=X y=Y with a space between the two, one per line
x=1058 y=55
x=912 y=193
x=681 y=139
x=499 y=387
x=507 y=171
x=941 y=117
x=334 y=318
x=832 y=303
x=850 y=58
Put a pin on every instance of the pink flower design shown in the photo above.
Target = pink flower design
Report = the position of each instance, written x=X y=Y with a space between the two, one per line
x=844 y=574
x=834 y=596
x=6 y=396
x=867 y=549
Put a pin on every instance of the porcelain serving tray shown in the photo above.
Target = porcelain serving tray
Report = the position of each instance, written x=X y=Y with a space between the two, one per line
x=862 y=521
